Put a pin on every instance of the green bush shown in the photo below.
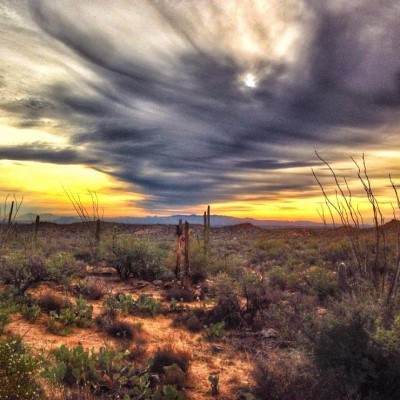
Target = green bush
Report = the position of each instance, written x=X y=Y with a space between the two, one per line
x=133 y=258
x=18 y=372
x=4 y=320
x=227 y=308
x=125 y=304
x=361 y=361
x=322 y=282
x=215 y=332
x=31 y=312
x=25 y=270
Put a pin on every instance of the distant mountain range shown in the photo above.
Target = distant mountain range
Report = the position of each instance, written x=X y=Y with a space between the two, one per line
x=216 y=220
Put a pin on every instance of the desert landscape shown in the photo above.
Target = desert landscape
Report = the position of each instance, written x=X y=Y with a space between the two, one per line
x=265 y=314
x=199 y=199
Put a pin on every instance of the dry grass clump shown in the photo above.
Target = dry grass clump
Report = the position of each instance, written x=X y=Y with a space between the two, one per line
x=169 y=355
x=290 y=377
x=52 y=302
x=179 y=294
x=92 y=289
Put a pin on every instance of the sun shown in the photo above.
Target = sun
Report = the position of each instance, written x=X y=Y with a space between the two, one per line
x=249 y=81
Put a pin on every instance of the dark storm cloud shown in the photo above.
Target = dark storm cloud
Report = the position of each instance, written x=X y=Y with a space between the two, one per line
x=176 y=119
x=44 y=153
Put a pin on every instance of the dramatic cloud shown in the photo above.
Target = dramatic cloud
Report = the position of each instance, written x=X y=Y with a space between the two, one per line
x=200 y=101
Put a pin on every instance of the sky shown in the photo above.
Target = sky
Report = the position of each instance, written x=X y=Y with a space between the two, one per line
x=163 y=107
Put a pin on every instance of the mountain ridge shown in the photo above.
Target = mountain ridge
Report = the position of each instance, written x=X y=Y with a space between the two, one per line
x=216 y=220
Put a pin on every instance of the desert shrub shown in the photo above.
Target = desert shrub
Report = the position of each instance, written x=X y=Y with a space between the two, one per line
x=18 y=372
x=179 y=294
x=198 y=262
x=31 y=312
x=173 y=375
x=122 y=330
x=257 y=300
x=321 y=281
x=52 y=302
x=168 y=356
x=133 y=258
x=336 y=251
x=278 y=278
x=11 y=300
x=146 y=305
x=62 y=267
x=358 y=359
x=125 y=304
x=190 y=321
x=21 y=271
x=4 y=320
x=227 y=308
x=271 y=249
x=230 y=266
x=25 y=270
x=290 y=377
x=292 y=316
x=91 y=289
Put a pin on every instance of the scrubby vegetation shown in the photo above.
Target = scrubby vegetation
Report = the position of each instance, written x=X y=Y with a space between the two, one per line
x=287 y=306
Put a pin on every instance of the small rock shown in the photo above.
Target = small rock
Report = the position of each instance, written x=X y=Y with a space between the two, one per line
x=321 y=311
x=158 y=282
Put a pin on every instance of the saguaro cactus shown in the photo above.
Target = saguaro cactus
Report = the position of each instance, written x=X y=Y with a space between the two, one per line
x=206 y=230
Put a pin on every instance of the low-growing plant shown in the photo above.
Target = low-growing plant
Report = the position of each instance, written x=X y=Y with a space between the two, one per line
x=79 y=315
x=179 y=294
x=290 y=377
x=146 y=305
x=112 y=372
x=122 y=330
x=215 y=332
x=73 y=366
x=52 y=302
x=125 y=304
x=31 y=312
x=190 y=320
x=18 y=372
x=168 y=356
x=4 y=320
x=91 y=289
x=214 y=382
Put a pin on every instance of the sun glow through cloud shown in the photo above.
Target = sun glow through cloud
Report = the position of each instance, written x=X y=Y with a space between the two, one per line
x=250 y=81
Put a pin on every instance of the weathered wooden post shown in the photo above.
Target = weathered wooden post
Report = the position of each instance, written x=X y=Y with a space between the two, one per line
x=36 y=228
